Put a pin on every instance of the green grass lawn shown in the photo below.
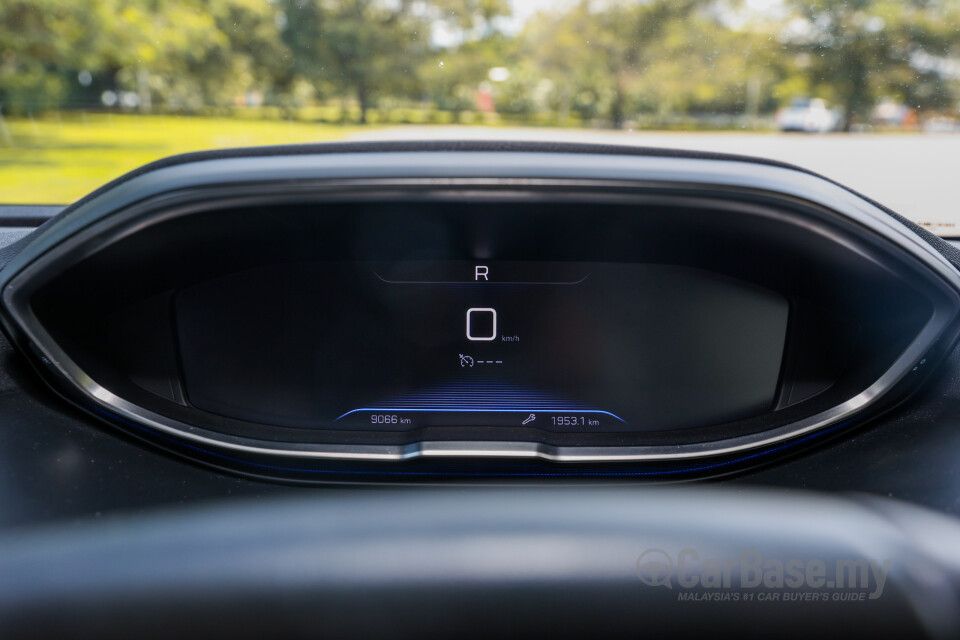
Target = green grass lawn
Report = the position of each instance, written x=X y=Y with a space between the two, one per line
x=55 y=160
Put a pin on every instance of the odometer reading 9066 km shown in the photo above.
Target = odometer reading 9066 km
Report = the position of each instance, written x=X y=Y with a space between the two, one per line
x=379 y=418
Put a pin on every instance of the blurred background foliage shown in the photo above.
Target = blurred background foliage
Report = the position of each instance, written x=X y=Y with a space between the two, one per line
x=588 y=62
x=90 y=89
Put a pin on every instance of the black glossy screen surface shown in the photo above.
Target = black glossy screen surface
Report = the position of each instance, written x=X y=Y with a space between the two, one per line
x=401 y=345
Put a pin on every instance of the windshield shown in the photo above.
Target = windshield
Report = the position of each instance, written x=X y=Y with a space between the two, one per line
x=866 y=92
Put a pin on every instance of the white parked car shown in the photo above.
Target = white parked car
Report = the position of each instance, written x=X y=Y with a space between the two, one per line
x=809 y=115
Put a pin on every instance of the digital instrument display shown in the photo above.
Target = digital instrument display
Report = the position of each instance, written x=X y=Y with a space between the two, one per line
x=557 y=346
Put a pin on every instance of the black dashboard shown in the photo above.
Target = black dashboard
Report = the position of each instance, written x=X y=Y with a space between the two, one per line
x=292 y=322
x=507 y=326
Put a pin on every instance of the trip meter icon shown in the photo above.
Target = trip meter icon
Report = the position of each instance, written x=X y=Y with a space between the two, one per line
x=466 y=361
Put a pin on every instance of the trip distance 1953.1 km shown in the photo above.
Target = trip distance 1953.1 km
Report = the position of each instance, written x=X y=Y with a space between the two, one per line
x=574 y=421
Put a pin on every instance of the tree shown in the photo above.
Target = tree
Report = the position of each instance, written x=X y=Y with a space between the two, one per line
x=603 y=46
x=855 y=52
x=707 y=66
x=474 y=19
x=40 y=41
x=361 y=47
x=189 y=53
x=453 y=73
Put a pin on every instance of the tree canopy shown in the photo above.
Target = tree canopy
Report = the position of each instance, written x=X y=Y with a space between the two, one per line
x=602 y=61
